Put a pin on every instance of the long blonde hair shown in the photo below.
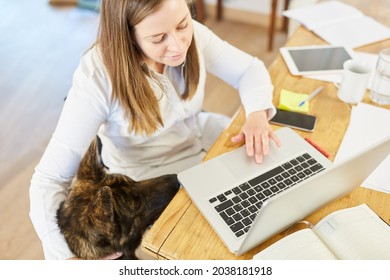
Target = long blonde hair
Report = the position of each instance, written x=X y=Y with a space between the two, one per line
x=122 y=58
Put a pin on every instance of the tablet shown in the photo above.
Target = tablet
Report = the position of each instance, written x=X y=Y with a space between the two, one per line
x=322 y=59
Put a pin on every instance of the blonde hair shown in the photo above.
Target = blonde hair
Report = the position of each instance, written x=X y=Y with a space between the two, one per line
x=122 y=56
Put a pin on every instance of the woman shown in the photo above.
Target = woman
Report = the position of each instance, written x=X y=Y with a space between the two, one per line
x=140 y=88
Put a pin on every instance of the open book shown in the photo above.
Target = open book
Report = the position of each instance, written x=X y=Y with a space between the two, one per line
x=354 y=233
x=340 y=24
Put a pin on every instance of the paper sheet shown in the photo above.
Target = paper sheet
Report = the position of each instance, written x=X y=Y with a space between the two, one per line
x=340 y=24
x=368 y=125
x=354 y=33
x=324 y=13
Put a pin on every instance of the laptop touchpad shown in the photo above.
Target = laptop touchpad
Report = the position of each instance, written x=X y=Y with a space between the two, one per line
x=242 y=166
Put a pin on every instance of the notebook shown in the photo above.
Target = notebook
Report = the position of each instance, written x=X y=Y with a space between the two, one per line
x=218 y=185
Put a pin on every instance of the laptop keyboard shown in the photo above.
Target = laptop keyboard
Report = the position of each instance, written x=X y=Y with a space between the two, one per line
x=238 y=206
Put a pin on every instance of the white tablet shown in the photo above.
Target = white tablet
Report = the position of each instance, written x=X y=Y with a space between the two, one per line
x=321 y=59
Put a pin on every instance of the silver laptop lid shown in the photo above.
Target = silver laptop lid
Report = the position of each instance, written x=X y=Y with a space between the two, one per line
x=206 y=180
x=293 y=205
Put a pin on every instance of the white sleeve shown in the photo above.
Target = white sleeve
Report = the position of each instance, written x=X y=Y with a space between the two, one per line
x=85 y=109
x=244 y=72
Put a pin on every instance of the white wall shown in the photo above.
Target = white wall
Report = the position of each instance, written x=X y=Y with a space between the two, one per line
x=256 y=6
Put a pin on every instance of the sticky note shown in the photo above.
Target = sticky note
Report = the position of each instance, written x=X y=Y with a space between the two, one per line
x=290 y=100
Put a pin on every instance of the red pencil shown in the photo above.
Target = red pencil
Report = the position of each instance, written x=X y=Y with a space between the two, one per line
x=322 y=151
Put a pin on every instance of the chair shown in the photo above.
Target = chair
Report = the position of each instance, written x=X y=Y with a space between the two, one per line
x=271 y=32
x=200 y=10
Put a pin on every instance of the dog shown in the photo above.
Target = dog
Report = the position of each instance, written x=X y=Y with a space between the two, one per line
x=107 y=213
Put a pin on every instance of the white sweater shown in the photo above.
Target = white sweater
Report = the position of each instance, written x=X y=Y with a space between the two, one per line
x=89 y=110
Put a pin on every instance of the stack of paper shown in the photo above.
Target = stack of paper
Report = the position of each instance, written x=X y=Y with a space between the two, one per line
x=368 y=124
x=340 y=24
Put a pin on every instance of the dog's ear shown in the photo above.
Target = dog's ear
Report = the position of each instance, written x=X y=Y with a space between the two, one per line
x=90 y=167
x=103 y=209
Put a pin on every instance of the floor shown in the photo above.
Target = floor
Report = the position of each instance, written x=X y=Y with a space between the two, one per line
x=40 y=47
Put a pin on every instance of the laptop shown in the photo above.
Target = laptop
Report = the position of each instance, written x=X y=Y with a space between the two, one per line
x=247 y=203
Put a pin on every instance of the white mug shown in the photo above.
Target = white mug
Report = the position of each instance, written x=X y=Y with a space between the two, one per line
x=356 y=75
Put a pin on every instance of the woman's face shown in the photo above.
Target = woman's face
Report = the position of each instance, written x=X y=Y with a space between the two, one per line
x=165 y=36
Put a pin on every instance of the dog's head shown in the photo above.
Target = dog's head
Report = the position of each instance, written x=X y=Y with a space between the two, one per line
x=105 y=213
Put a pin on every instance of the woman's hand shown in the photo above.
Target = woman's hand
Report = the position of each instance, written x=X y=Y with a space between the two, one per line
x=110 y=257
x=113 y=256
x=257 y=133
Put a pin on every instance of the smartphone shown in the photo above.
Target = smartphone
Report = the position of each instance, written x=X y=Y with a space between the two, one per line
x=295 y=120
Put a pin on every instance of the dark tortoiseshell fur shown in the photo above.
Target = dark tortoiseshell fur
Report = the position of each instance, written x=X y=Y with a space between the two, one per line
x=106 y=213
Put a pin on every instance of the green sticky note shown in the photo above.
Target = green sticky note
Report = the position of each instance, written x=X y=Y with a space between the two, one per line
x=290 y=100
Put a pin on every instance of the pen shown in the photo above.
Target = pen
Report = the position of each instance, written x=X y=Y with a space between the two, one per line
x=322 y=151
x=313 y=94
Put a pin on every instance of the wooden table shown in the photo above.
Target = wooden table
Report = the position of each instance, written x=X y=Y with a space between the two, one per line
x=182 y=232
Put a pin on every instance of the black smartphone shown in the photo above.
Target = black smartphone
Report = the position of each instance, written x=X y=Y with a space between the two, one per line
x=295 y=120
